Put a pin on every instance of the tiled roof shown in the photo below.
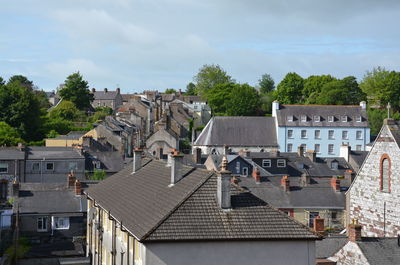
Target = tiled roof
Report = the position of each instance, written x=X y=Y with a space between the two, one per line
x=239 y=131
x=152 y=211
x=8 y=153
x=380 y=251
x=328 y=246
x=351 y=111
x=44 y=152
x=102 y=95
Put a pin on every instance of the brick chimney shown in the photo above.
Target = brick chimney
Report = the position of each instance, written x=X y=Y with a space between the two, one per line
x=71 y=180
x=137 y=160
x=300 y=150
x=197 y=155
x=335 y=183
x=349 y=175
x=312 y=155
x=257 y=175
x=285 y=183
x=318 y=224
x=21 y=147
x=78 y=187
x=176 y=167
x=354 y=231
x=224 y=186
x=363 y=105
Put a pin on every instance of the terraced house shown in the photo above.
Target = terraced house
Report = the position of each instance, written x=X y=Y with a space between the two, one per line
x=158 y=213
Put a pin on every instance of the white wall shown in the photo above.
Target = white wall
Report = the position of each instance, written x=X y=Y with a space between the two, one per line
x=231 y=253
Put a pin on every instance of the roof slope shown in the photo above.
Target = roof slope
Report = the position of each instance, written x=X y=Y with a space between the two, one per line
x=102 y=95
x=351 y=111
x=152 y=211
x=380 y=251
x=239 y=131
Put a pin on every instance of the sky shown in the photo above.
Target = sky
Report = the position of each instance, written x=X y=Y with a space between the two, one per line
x=157 y=44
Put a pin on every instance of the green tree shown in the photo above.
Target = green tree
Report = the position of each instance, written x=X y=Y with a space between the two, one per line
x=22 y=80
x=266 y=84
x=8 y=135
x=266 y=102
x=42 y=99
x=191 y=89
x=2 y=82
x=98 y=175
x=289 y=90
x=209 y=76
x=313 y=85
x=170 y=91
x=65 y=110
x=76 y=90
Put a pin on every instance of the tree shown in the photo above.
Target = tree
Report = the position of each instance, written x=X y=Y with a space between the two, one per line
x=76 y=90
x=313 y=85
x=2 y=82
x=382 y=87
x=8 y=135
x=21 y=80
x=266 y=84
x=65 y=110
x=289 y=90
x=341 y=92
x=191 y=89
x=170 y=91
x=209 y=76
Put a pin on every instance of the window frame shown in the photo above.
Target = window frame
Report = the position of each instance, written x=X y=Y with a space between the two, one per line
x=33 y=165
x=319 y=148
x=303 y=118
x=331 y=118
x=266 y=161
x=44 y=227
x=358 y=119
x=6 y=167
x=289 y=118
x=72 y=163
x=359 y=137
x=344 y=118
x=290 y=136
x=291 y=147
x=281 y=161
x=333 y=149
x=383 y=158
x=359 y=147
x=245 y=169
x=66 y=224
x=305 y=135
x=331 y=137
x=317 y=118
x=49 y=163
x=317 y=136
x=345 y=135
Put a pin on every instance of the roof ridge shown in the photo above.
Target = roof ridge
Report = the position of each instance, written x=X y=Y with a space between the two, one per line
x=319 y=105
x=190 y=193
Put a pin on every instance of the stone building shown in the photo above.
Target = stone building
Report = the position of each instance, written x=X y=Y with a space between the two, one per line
x=374 y=197
x=106 y=98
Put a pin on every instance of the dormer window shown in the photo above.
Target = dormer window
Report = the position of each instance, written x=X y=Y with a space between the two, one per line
x=317 y=118
x=344 y=118
x=334 y=165
x=330 y=119
x=290 y=118
x=358 y=119
x=303 y=118
x=281 y=163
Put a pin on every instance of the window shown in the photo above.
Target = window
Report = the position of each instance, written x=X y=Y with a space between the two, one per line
x=344 y=118
x=245 y=171
x=303 y=118
x=345 y=135
x=359 y=135
x=3 y=189
x=317 y=134
x=330 y=149
x=334 y=215
x=304 y=148
x=73 y=166
x=266 y=163
x=317 y=148
x=290 y=133
x=97 y=164
x=331 y=119
x=385 y=173
x=281 y=163
x=238 y=167
x=331 y=134
x=303 y=134
x=42 y=224
x=359 y=147
x=290 y=148
x=49 y=166
x=334 y=165
x=317 y=118
x=3 y=168
x=61 y=223
x=358 y=119
x=290 y=118
x=311 y=217
x=35 y=166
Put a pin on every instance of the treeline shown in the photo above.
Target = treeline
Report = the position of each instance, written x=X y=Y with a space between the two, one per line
x=25 y=115
x=227 y=97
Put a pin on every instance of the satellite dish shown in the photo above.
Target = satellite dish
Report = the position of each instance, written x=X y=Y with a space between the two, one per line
x=92 y=213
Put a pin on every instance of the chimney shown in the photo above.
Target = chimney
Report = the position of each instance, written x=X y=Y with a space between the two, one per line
x=15 y=188
x=176 y=167
x=335 y=183
x=349 y=175
x=300 y=150
x=93 y=90
x=224 y=186
x=21 y=147
x=71 y=180
x=257 y=175
x=87 y=141
x=169 y=159
x=105 y=90
x=318 y=224
x=354 y=232
x=78 y=187
x=345 y=150
x=274 y=153
x=160 y=153
x=285 y=183
x=363 y=105
x=234 y=180
x=137 y=160
x=197 y=155
x=244 y=153
x=226 y=150
x=305 y=180
x=389 y=121
x=118 y=90
x=275 y=107
x=312 y=155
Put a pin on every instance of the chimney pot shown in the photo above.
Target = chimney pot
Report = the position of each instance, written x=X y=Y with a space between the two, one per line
x=105 y=90
x=93 y=90
x=118 y=90
x=226 y=150
x=71 y=180
x=78 y=187
x=354 y=231
x=137 y=159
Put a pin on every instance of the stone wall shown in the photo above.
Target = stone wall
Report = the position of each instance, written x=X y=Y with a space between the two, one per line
x=375 y=210
x=350 y=254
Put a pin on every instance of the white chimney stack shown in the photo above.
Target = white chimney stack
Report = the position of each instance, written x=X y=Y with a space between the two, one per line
x=176 y=167
x=363 y=105
x=224 y=186
x=275 y=107
x=344 y=152
x=137 y=160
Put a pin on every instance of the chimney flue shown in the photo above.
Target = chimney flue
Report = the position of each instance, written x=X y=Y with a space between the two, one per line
x=312 y=155
x=335 y=183
x=78 y=187
x=285 y=183
x=354 y=231
x=176 y=167
x=224 y=186
x=300 y=150
x=257 y=175
x=137 y=160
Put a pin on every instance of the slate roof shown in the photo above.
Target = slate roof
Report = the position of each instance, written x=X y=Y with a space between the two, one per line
x=111 y=161
x=356 y=159
x=102 y=95
x=394 y=127
x=239 y=131
x=152 y=211
x=351 y=111
x=10 y=153
x=73 y=135
x=380 y=251
x=40 y=152
x=328 y=246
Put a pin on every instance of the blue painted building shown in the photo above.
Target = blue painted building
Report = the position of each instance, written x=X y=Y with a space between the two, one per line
x=321 y=128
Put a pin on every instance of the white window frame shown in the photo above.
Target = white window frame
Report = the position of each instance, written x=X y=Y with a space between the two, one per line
x=289 y=118
x=303 y=136
x=5 y=166
x=282 y=163
x=317 y=118
x=319 y=148
x=245 y=170
x=291 y=147
x=333 y=149
x=303 y=118
x=44 y=221
x=60 y=223
x=345 y=135
x=97 y=164
x=266 y=163
x=319 y=134
x=334 y=165
x=359 y=135
x=48 y=163
x=358 y=119
x=343 y=118
x=290 y=135
x=331 y=118
x=237 y=167
x=331 y=137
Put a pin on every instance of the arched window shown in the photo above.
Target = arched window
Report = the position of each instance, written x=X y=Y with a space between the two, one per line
x=385 y=173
